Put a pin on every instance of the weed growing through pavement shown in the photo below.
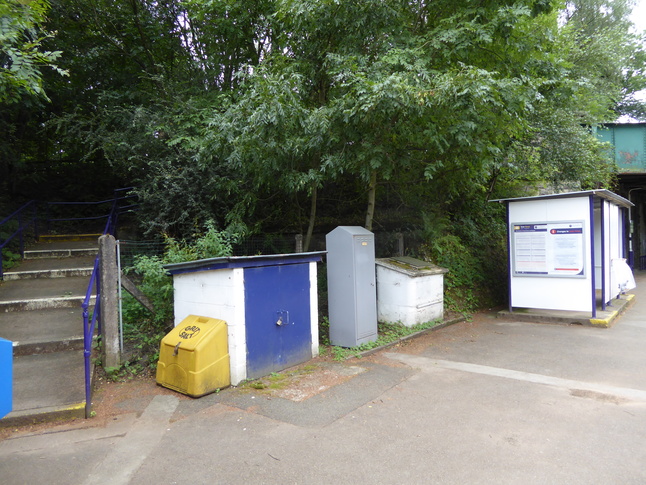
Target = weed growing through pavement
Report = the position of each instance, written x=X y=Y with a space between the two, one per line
x=387 y=333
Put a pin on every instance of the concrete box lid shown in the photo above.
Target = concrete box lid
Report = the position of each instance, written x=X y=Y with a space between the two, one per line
x=410 y=266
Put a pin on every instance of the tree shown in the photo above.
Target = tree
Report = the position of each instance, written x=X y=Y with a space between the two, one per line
x=259 y=108
x=143 y=73
x=24 y=61
x=386 y=87
x=21 y=55
x=606 y=56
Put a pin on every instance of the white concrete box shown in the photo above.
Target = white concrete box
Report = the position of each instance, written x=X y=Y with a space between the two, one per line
x=409 y=290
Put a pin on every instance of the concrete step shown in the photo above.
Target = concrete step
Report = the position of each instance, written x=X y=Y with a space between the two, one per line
x=47 y=386
x=59 y=253
x=44 y=303
x=62 y=249
x=37 y=294
x=52 y=268
x=67 y=239
x=41 y=331
x=40 y=312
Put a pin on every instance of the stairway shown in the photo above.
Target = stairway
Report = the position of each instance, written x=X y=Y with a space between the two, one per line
x=40 y=312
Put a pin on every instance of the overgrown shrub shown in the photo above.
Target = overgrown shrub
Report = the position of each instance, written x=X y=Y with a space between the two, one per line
x=144 y=330
x=9 y=259
x=474 y=252
x=463 y=279
x=10 y=256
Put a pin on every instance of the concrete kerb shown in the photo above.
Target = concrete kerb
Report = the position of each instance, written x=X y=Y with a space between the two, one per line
x=29 y=417
x=604 y=319
x=62 y=413
x=610 y=319
x=51 y=273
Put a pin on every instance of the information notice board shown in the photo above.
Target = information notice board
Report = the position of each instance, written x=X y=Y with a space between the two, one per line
x=548 y=249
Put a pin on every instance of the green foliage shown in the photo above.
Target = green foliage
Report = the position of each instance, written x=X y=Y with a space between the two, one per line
x=9 y=259
x=157 y=285
x=144 y=330
x=213 y=243
x=10 y=253
x=278 y=380
x=606 y=57
x=387 y=333
x=299 y=115
x=464 y=277
x=127 y=371
x=21 y=54
x=324 y=331
x=473 y=248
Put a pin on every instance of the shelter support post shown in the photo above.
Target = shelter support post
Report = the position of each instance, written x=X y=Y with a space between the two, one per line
x=593 y=283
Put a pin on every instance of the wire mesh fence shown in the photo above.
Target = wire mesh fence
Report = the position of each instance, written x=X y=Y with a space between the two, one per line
x=268 y=244
x=130 y=250
x=386 y=244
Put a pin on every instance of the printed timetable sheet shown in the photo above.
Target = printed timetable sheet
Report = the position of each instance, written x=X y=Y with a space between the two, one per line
x=548 y=249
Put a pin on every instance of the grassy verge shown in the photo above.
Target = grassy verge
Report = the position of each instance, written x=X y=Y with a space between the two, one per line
x=387 y=333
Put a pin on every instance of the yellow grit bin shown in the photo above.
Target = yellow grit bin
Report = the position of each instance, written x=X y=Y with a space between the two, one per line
x=194 y=357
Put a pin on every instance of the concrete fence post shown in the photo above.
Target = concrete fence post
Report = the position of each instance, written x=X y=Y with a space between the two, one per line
x=109 y=286
x=299 y=243
x=400 y=244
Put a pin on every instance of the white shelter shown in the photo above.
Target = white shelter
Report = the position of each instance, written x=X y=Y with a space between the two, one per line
x=566 y=251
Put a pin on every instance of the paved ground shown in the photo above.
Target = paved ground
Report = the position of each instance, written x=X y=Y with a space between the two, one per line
x=487 y=401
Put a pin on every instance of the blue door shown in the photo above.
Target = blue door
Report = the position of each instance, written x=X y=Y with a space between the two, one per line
x=277 y=317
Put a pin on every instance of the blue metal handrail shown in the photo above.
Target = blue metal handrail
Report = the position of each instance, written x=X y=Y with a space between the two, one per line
x=89 y=324
x=111 y=201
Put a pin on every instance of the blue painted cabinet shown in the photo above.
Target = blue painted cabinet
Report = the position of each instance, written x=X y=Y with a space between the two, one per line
x=277 y=311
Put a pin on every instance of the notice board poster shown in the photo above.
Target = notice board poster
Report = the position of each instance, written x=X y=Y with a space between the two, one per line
x=548 y=249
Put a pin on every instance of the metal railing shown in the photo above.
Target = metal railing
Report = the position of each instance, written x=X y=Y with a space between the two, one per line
x=39 y=215
x=89 y=325
x=27 y=215
x=110 y=216
x=94 y=287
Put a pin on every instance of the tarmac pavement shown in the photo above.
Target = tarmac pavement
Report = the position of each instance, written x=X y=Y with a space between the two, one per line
x=489 y=401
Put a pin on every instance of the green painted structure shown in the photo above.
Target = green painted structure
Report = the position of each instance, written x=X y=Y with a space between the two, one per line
x=629 y=142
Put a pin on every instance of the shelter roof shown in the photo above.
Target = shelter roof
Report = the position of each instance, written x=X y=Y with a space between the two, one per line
x=600 y=193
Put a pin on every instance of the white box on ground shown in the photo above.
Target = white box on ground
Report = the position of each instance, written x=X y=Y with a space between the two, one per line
x=409 y=290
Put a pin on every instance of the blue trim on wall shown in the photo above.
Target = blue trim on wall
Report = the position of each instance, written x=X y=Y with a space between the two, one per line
x=593 y=282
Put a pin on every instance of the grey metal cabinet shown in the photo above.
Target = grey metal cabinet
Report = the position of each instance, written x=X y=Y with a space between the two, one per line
x=352 y=289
